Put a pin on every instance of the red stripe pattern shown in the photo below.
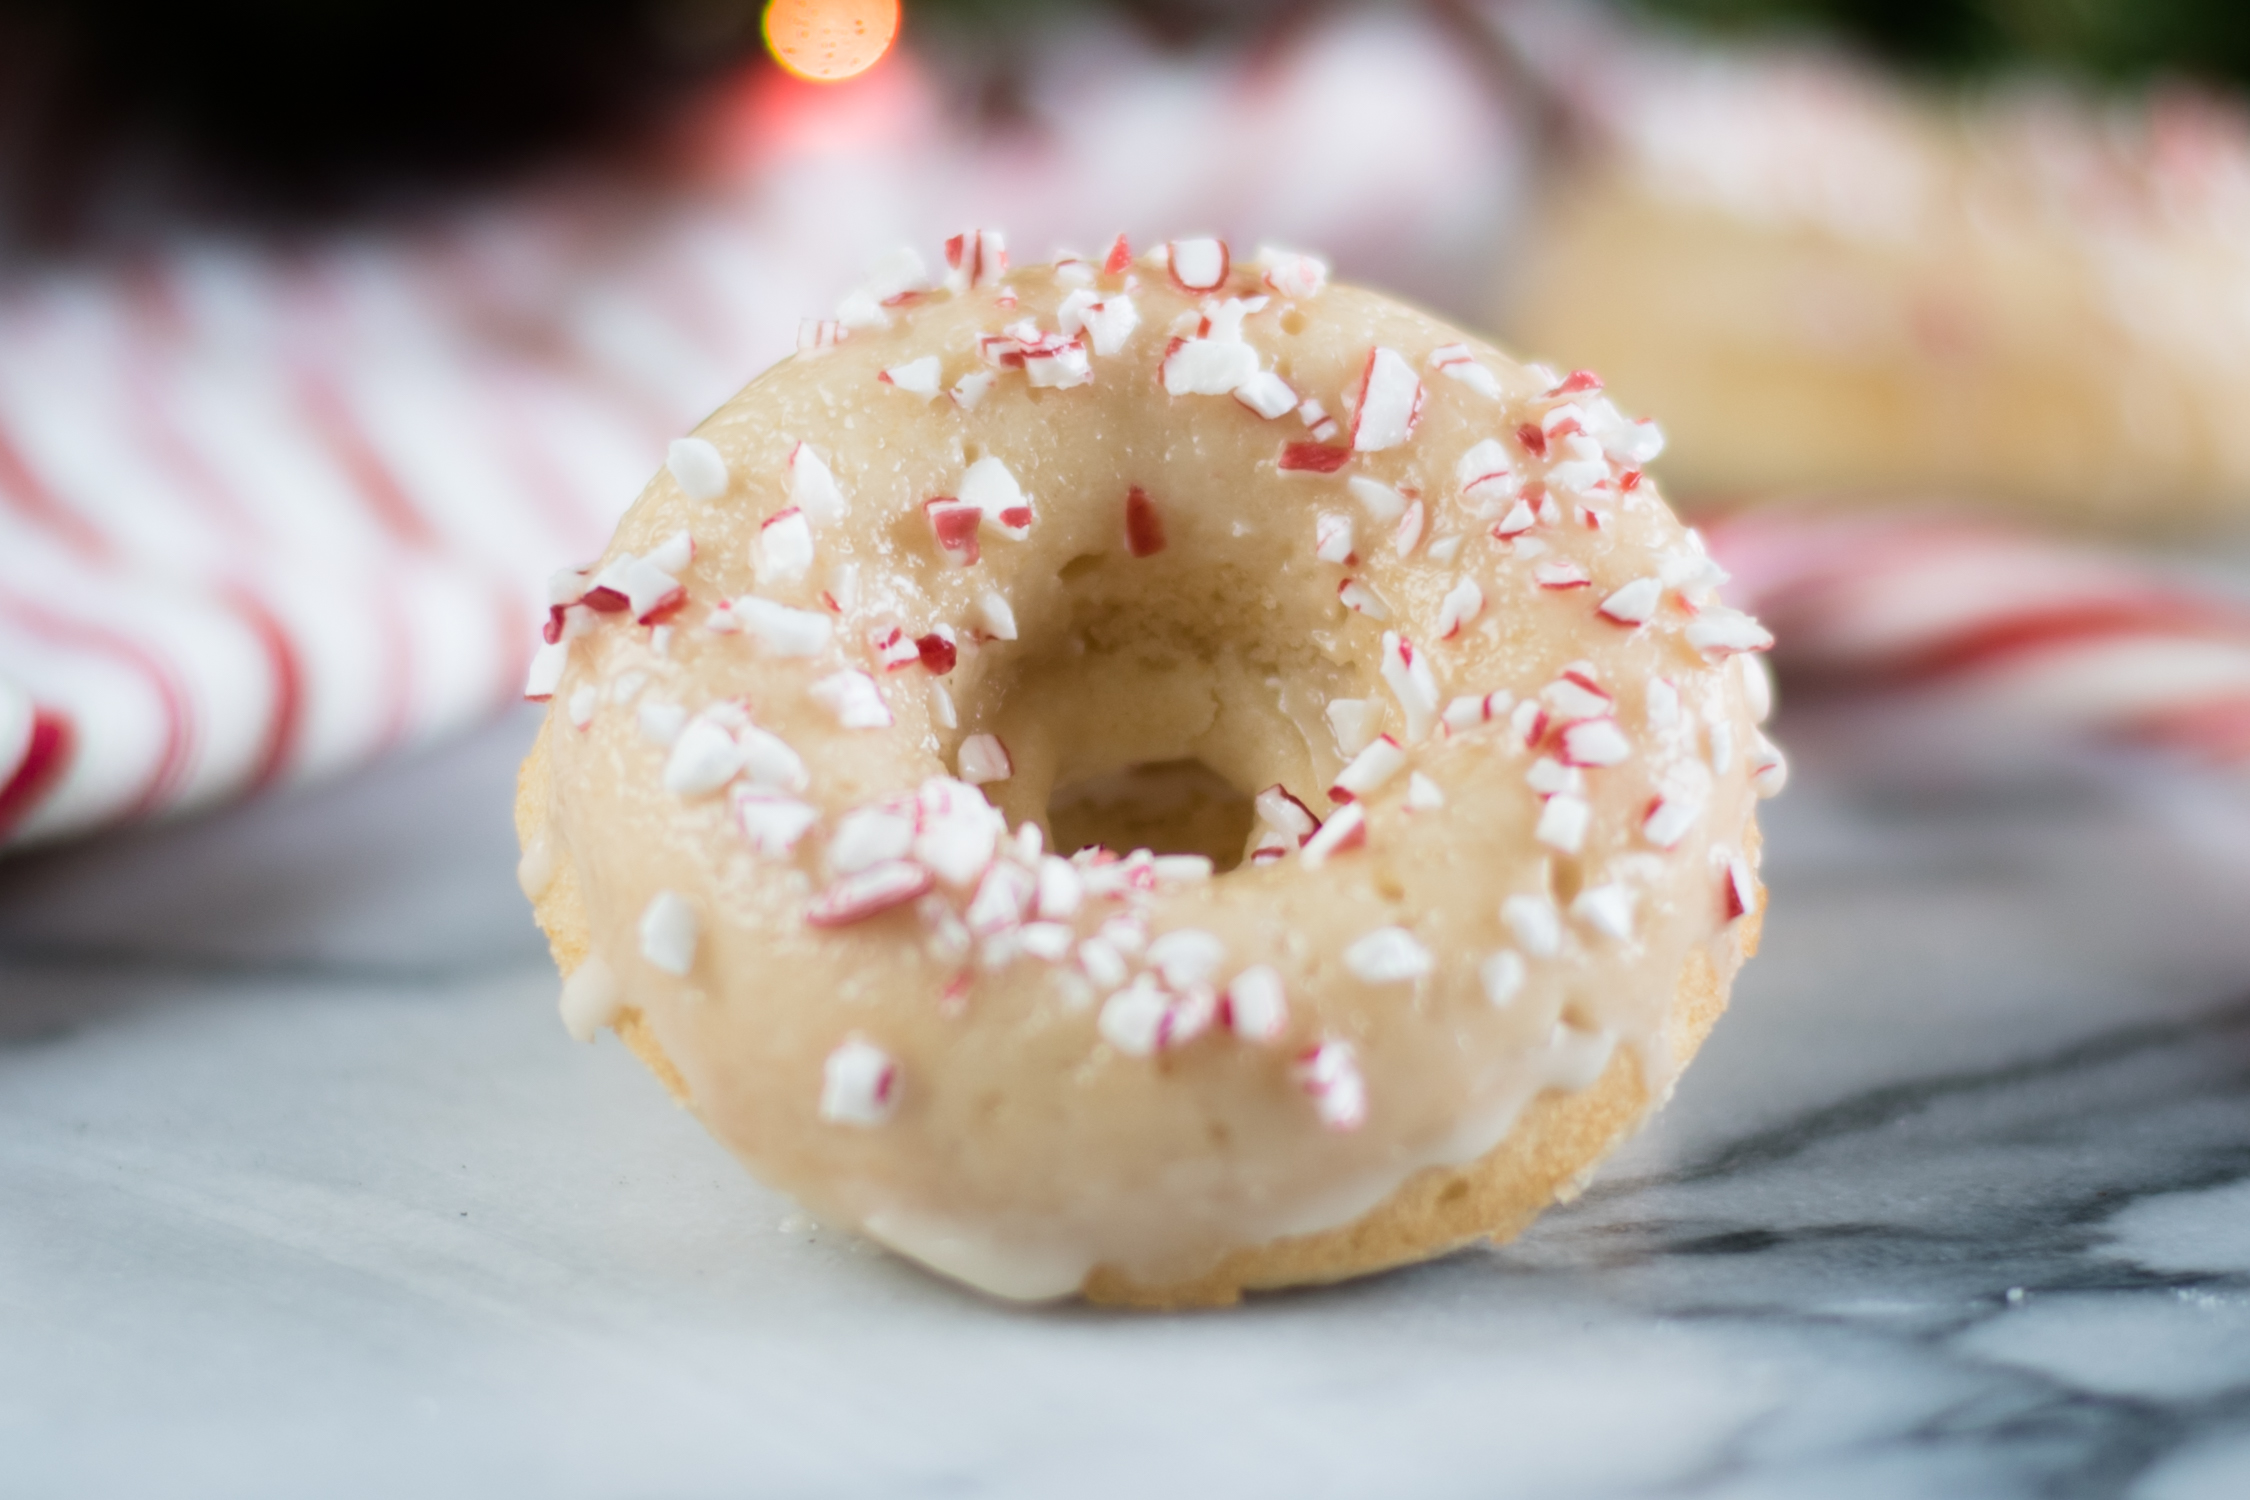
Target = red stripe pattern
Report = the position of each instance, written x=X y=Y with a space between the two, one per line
x=2034 y=638
x=266 y=512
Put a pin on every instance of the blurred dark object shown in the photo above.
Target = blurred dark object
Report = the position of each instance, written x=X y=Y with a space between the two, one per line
x=314 y=104
x=2108 y=39
x=119 y=118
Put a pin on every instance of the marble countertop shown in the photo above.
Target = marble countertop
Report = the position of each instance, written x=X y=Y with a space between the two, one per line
x=303 y=1191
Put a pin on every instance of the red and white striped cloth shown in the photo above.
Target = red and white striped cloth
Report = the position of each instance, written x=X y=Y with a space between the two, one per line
x=2023 y=639
x=268 y=511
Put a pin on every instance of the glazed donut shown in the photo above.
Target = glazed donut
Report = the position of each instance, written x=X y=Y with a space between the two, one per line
x=1826 y=282
x=1152 y=777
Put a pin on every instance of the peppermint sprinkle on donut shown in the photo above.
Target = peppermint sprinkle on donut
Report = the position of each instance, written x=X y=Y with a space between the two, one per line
x=1198 y=265
x=1144 y=525
x=1330 y=1074
x=984 y=758
x=1388 y=955
x=670 y=931
x=697 y=468
x=1388 y=402
x=954 y=523
x=859 y=1085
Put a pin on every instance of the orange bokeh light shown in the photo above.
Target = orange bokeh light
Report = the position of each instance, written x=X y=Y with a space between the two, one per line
x=828 y=41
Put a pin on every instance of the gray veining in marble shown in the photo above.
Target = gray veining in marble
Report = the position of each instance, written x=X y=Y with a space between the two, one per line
x=304 y=1192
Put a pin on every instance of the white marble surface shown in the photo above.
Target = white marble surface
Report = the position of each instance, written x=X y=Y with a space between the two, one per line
x=304 y=1192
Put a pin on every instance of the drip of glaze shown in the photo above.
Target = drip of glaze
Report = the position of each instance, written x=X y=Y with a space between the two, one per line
x=535 y=871
x=591 y=999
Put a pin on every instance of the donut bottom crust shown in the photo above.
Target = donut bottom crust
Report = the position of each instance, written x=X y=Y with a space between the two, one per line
x=1546 y=1157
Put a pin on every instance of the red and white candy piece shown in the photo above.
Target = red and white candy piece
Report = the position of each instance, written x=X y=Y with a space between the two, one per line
x=1608 y=909
x=1369 y=770
x=1387 y=402
x=1739 y=889
x=1407 y=673
x=704 y=758
x=1487 y=476
x=1291 y=273
x=1461 y=604
x=1285 y=815
x=853 y=698
x=1408 y=534
x=1144 y=524
x=1563 y=821
x=1383 y=504
x=1329 y=1073
x=984 y=758
x=1595 y=742
x=1388 y=955
x=1355 y=722
x=813 y=488
x=1502 y=975
x=640 y=586
x=1669 y=819
x=697 y=468
x=1576 y=695
x=1312 y=458
x=937 y=651
x=1536 y=923
x=548 y=664
x=954 y=523
x=782 y=631
x=773 y=822
x=957 y=831
x=859 y=1084
x=1456 y=361
x=991 y=487
x=669 y=933
x=975 y=258
x=868 y=836
x=917 y=377
x=1057 y=364
x=1361 y=599
x=1560 y=573
x=972 y=388
x=1468 y=712
x=893 y=649
x=1198 y=265
x=1256 y=1005
x=768 y=759
x=1721 y=632
x=1332 y=538
x=868 y=893
x=1519 y=519
x=784 y=549
x=1635 y=603
x=1344 y=831
x=1107 y=321
x=1002 y=900
x=1268 y=395
x=1208 y=367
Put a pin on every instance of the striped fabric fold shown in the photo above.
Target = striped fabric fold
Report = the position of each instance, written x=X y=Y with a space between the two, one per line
x=268 y=510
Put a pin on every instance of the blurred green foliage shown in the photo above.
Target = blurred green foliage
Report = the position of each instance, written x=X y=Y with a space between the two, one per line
x=2117 y=40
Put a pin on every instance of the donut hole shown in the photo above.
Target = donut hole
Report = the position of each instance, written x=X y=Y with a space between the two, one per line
x=1149 y=699
x=1171 y=807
